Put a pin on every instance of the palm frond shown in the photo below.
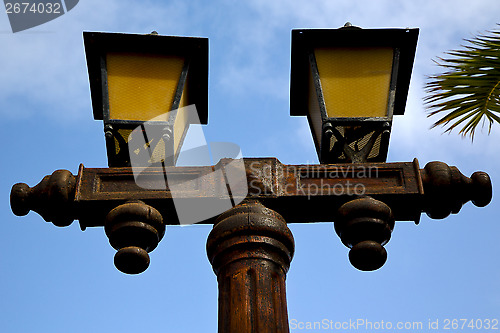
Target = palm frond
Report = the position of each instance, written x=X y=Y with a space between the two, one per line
x=468 y=91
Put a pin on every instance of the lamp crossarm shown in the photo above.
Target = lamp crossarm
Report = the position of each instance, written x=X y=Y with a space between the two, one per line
x=300 y=193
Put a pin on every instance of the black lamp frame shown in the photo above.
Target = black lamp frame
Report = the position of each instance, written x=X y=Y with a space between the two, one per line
x=193 y=49
x=333 y=146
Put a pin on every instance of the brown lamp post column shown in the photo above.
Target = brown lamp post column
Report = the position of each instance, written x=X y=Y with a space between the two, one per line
x=250 y=249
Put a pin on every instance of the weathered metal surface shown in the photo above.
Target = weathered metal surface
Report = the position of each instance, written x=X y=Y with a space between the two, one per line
x=250 y=249
x=300 y=193
x=52 y=198
x=134 y=229
x=365 y=225
x=447 y=189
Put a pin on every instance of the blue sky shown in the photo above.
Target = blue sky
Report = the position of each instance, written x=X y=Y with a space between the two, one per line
x=63 y=280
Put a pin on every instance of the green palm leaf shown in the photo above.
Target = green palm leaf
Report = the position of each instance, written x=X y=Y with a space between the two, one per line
x=468 y=91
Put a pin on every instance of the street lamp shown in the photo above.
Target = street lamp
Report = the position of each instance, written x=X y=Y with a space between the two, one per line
x=349 y=82
x=136 y=79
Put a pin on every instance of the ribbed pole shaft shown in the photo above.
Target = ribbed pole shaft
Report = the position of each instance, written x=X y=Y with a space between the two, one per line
x=250 y=249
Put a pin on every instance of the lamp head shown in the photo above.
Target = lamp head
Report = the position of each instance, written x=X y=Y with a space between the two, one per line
x=350 y=82
x=136 y=79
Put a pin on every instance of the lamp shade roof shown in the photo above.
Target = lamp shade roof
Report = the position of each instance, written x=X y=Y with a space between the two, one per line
x=305 y=41
x=195 y=49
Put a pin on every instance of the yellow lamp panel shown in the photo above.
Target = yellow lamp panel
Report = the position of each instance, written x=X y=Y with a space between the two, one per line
x=140 y=86
x=125 y=135
x=355 y=81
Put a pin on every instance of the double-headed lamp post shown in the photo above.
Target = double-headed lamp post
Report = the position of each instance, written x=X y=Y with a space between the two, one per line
x=349 y=82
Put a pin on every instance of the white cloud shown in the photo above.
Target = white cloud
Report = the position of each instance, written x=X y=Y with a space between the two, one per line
x=46 y=64
x=44 y=70
x=259 y=38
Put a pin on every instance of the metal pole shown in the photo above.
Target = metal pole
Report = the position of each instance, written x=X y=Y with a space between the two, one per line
x=250 y=249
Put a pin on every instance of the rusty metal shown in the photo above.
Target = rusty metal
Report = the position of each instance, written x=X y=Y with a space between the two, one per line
x=250 y=248
x=52 y=198
x=300 y=193
x=447 y=189
x=134 y=229
x=365 y=225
